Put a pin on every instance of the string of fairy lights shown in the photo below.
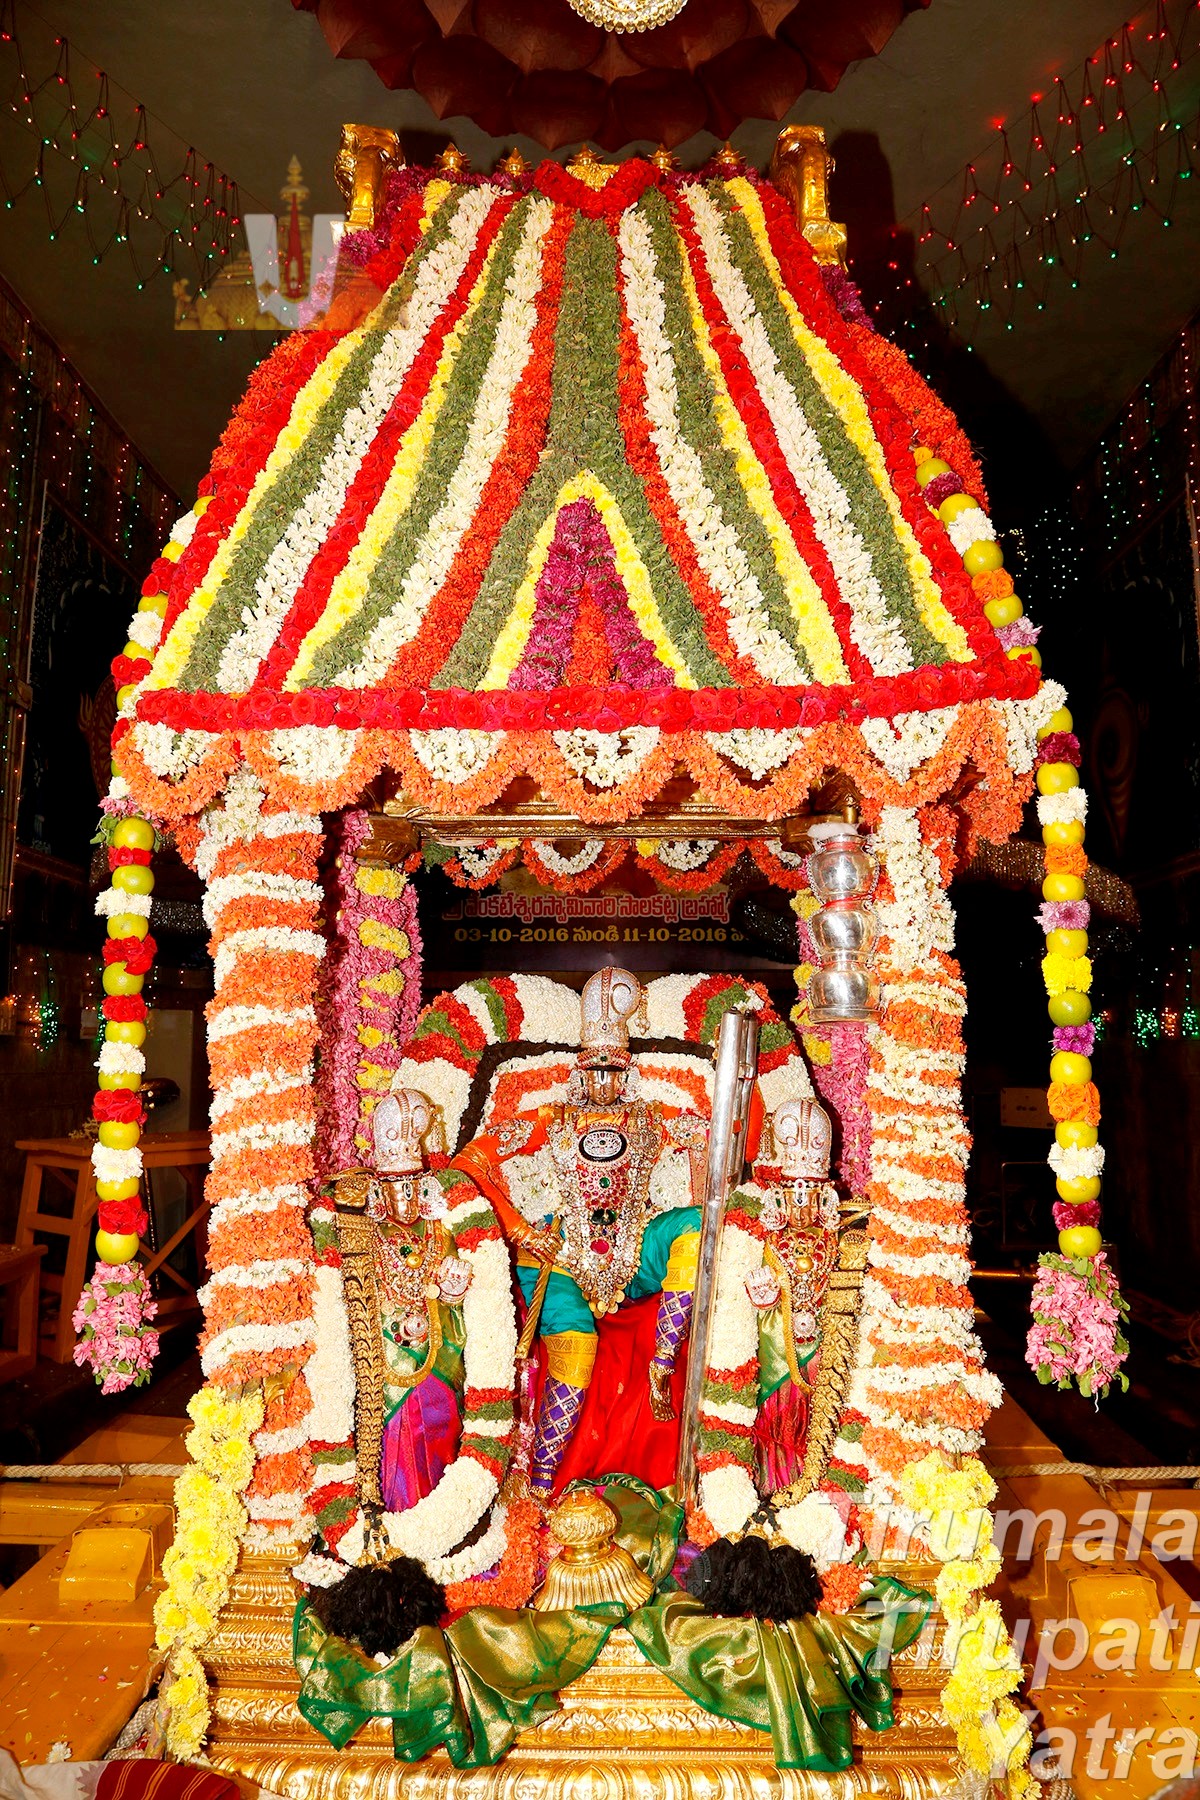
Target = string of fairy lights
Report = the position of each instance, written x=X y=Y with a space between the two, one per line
x=1056 y=187
x=86 y=151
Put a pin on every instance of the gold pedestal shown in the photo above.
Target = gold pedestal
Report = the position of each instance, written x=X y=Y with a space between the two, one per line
x=624 y=1732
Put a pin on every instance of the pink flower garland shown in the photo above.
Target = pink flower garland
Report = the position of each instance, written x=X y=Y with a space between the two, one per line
x=1076 y=1334
x=371 y=988
x=113 y=1318
x=842 y=1081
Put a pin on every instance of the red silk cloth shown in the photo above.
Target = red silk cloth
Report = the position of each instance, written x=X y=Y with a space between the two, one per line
x=617 y=1433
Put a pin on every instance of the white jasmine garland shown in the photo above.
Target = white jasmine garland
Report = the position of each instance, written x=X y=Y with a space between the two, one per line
x=970 y=526
x=269 y=940
x=319 y=1571
x=1063 y=809
x=1076 y=1164
x=110 y=902
x=477 y=1558
x=685 y=855
x=586 y=857
x=757 y=749
x=607 y=758
x=145 y=629
x=815 y=1525
x=909 y=740
x=116 y=1165
x=451 y=754
x=229 y=1020
x=235 y=1340
x=317 y=755
x=728 y=1497
x=120 y=1059
x=330 y=1369
x=919 y=918
x=733 y=1338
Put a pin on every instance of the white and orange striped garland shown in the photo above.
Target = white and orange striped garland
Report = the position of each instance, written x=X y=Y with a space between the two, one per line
x=920 y=1383
x=263 y=907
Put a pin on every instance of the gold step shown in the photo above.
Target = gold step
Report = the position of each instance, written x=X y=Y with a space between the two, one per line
x=624 y=1731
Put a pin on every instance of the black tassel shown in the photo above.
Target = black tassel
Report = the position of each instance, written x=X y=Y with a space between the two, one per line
x=380 y=1605
x=750 y=1578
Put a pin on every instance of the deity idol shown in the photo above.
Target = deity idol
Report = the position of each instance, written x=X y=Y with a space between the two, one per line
x=405 y=1288
x=598 y=1196
x=800 y=1214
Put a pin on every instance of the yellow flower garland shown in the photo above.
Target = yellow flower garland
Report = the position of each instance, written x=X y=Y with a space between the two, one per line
x=210 y=1521
x=954 y=1505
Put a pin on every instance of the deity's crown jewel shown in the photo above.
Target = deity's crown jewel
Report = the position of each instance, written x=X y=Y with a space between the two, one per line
x=399 y=1124
x=609 y=1000
x=803 y=1139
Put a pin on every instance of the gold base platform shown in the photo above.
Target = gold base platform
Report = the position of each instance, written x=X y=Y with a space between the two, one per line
x=624 y=1732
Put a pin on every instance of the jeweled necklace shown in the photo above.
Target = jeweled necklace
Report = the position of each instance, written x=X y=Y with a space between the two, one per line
x=603 y=1159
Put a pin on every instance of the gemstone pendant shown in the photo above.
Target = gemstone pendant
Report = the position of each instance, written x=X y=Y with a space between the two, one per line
x=601 y=1246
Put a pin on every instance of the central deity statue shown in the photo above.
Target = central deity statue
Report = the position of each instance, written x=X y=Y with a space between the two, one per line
x=599 y=1196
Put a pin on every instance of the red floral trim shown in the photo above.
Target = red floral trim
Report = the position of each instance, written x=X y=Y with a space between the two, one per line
x=124 y=1009
x=136 y=953
x=596 y=708
x=476 y=1234
x=619 y=192
x=120 y=1217
x=121 y=856
x=121 y=1106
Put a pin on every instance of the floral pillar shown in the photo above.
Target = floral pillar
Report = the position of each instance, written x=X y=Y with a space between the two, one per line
x=920 y=1393
x=250 y=1442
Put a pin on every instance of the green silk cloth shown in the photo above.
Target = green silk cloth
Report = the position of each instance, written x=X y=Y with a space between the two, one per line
x=475 y=1686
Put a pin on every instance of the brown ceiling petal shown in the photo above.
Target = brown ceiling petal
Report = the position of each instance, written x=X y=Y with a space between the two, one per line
x=536 y=67
x=538 y=34
x=669 y=96
x=557 y=107
x=698 y=33
x=465 y=76
x=757 y=78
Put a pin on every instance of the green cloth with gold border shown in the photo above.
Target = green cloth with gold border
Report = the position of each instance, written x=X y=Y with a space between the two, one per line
x=476 y=1685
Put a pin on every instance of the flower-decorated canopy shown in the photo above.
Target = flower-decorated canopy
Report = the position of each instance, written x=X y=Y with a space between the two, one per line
x=596 y=476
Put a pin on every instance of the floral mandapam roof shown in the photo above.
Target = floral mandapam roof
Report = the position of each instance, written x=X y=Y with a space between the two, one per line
x=602 y=479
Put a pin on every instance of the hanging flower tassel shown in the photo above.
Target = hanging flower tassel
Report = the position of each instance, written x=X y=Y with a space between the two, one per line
x=1076 y=1336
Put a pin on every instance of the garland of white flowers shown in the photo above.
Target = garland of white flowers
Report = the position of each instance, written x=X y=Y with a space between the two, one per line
x=430 y=1530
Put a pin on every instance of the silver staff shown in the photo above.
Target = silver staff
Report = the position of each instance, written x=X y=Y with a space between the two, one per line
x=733 y=1086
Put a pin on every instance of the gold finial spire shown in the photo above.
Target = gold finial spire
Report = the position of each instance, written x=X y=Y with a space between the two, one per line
x=514 y=165
x=452 y=162
x=800 y=168
x=294 y=187
x=727 y=161
x=663 y=161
